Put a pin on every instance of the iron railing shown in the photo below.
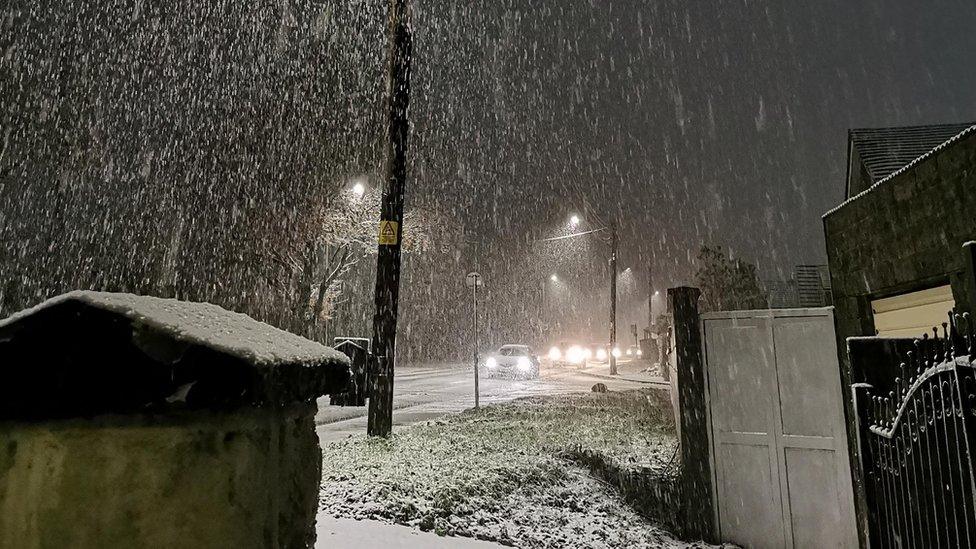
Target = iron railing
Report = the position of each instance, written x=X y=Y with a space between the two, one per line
x=915 y=444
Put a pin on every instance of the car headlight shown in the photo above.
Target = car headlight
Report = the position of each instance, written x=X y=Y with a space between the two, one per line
x=575 y=354
x=491 y=362
x=555 y=353
x=640 y=353
x=616 y=352
x=601 y=354
x=524 y=363
x=630 y=352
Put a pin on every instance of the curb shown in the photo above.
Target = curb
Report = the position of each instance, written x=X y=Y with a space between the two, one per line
x=618 y=377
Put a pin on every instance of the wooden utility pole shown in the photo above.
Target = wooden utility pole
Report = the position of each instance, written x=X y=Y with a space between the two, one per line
x=380 y=420
x=650 y=298
x=613 y=299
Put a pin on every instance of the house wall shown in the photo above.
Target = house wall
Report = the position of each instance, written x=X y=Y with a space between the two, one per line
x=905 y=235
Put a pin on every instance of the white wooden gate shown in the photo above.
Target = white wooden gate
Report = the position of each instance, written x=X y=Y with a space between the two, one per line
x=778 y=438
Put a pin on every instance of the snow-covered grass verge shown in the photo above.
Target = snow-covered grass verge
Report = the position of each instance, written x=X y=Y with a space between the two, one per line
x=496 y=473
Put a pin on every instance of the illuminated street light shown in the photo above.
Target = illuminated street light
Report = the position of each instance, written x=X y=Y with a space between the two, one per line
x=574 y=221
x=554 y=278
x=359 y=189
x=656 y=292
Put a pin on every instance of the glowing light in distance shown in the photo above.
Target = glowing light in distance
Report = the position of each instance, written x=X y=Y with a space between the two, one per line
x=575 y=354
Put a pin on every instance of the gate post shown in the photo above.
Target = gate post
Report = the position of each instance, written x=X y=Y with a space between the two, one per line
x=969 y=303
x=696 y=475
x=863 y=497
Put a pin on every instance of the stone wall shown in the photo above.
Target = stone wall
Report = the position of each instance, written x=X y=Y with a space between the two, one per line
x=235 y=479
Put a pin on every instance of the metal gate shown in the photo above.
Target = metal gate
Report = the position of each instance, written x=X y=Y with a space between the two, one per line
x=915 y=445
x=779 y=443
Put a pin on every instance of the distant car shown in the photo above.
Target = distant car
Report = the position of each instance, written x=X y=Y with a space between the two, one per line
x=566 y=353
x=598 y=352
x=513 y=361
x=634 y=352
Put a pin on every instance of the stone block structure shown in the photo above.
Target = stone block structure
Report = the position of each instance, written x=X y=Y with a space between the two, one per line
x=131 y=421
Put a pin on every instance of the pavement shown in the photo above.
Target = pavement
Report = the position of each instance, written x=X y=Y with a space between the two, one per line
x=637 y=371
x=425 y=392
x=331 y=532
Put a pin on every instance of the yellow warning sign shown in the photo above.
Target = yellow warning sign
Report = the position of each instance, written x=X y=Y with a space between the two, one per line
x=388 y=233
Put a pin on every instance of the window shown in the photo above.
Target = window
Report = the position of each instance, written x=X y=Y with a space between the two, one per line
x=912 y=314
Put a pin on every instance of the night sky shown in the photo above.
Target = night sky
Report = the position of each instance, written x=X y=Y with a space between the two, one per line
x=686 y=122
x=172 y=148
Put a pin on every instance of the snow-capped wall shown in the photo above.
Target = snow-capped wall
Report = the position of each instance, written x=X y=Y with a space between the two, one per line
x=202 y=323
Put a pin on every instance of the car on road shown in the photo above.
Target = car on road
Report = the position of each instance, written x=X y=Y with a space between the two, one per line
x=567 y=353
x=513 y=361
x=634 y=352
x=598 y=353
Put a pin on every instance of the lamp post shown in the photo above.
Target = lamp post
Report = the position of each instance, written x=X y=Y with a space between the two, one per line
x=473 y=281
x=380 y=416
x=613 y=299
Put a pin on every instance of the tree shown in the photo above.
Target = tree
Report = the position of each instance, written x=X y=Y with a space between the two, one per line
x=316 y=251
x=727 y=284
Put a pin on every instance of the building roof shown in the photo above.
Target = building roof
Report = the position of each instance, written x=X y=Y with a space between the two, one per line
x=884 y=151
x=965 y=131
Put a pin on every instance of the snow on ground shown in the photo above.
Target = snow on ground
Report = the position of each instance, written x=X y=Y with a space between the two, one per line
x=494 y=473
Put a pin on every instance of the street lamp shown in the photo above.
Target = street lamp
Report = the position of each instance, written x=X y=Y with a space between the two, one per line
x=574 y=222
x=358 y=189
x=554 y=278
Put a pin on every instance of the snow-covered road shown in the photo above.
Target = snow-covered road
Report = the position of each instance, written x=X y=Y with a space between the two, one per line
x=423 y=392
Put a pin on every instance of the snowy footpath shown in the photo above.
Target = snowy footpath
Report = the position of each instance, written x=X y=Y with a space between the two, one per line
x=344 y=533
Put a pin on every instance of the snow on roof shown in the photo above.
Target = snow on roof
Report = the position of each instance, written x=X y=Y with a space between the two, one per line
x=202 y=323
x=945 y=144
x=884 y=151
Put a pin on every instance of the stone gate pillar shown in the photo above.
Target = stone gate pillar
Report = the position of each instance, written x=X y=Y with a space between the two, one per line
x=695 y=477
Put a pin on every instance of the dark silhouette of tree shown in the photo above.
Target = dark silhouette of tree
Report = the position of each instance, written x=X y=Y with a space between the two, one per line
x=727 y=283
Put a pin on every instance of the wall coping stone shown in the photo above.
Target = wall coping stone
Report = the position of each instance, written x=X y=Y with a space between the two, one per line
x=88 y=353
